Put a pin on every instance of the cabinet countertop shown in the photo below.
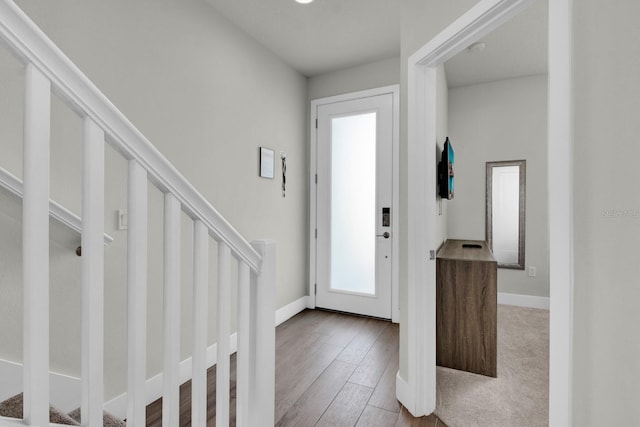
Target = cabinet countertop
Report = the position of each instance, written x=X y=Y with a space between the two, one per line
x=455 y=249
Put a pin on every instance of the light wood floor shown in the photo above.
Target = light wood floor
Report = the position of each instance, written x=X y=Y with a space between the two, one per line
x=332 y=369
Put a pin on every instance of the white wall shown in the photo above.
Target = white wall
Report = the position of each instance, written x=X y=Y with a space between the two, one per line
x=606 y=96
x=420 y=21
x=504 y=120
x=381 y=73
x=207 y=95
x=606 y=213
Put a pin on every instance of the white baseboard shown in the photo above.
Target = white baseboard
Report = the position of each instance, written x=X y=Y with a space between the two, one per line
x=403 y=393
x=290 y=310
x=65 y=390
x=118 y=405
x=528 y=301
x=310 y=301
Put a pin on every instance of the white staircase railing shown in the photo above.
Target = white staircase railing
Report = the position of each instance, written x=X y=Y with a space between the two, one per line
x=47 y=69
x=13 y=185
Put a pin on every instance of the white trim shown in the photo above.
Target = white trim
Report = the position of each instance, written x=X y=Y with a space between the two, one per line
x=393 y=89
x=137 y=243
x=309 y=302
x=65 y=389
x=480 y=20
x=92 y=305
x=199 y=356
x=528 y=301
x=118 y=405
x=313 y=202
x=395 y=208
x=35 y=246
x=31 y=45
x=395 y=214
x=288 y=311
x=560 y=213
x=153 y=390
x=419 y=395
x=243 y=349
x=12 y=422
x=171 y=311
x=58 y=212
x=8 y=422
x=262 y=343
x=403 y=393
x=223 y=329
x=421 y=331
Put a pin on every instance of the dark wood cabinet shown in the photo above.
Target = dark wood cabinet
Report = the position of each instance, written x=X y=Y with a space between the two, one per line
x=466 y=307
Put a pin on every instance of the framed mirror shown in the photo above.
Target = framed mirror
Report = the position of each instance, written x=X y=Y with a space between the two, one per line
x=505 y=212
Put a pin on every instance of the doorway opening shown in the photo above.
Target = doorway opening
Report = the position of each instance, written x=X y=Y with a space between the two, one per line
x=354 y=203
x=416 y=386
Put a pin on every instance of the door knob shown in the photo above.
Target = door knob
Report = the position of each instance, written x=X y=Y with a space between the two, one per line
x=386 y=235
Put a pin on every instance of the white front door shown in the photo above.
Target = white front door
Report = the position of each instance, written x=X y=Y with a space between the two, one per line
x=353 y=206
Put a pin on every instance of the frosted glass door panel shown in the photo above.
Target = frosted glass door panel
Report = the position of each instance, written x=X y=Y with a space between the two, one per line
x=353 y=203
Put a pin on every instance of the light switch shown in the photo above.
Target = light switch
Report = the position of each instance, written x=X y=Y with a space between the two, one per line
x=123 y=220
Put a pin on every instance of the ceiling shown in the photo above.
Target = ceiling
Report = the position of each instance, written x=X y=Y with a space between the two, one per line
x=330 y=35
x=322 y=36
x=517 y=48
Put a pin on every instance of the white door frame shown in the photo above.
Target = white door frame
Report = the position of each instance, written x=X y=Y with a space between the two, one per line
x=418 y=391
x=394 y=90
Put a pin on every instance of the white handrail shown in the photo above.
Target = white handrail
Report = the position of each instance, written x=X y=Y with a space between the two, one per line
x=58 y=212
x=31 y=45
x=49 y=69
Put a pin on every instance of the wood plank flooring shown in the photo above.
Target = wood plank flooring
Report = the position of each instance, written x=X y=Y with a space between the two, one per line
x=332 y=369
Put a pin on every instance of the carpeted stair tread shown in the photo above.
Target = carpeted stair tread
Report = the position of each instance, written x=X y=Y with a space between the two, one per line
x=12 y=408
x=108 y=419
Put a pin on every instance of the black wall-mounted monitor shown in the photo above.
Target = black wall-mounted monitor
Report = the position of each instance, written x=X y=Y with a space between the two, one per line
x=445 y=172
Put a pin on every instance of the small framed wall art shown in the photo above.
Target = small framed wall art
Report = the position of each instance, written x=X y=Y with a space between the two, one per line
x=267 y=163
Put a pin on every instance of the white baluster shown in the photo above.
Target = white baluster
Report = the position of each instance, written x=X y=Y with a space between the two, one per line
x=244 y=346
x=137 y=295
x=200 y=320
x=37 y=119
x=92 y=274
x=263 y=351
x=171 y=379
x=224 y=330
